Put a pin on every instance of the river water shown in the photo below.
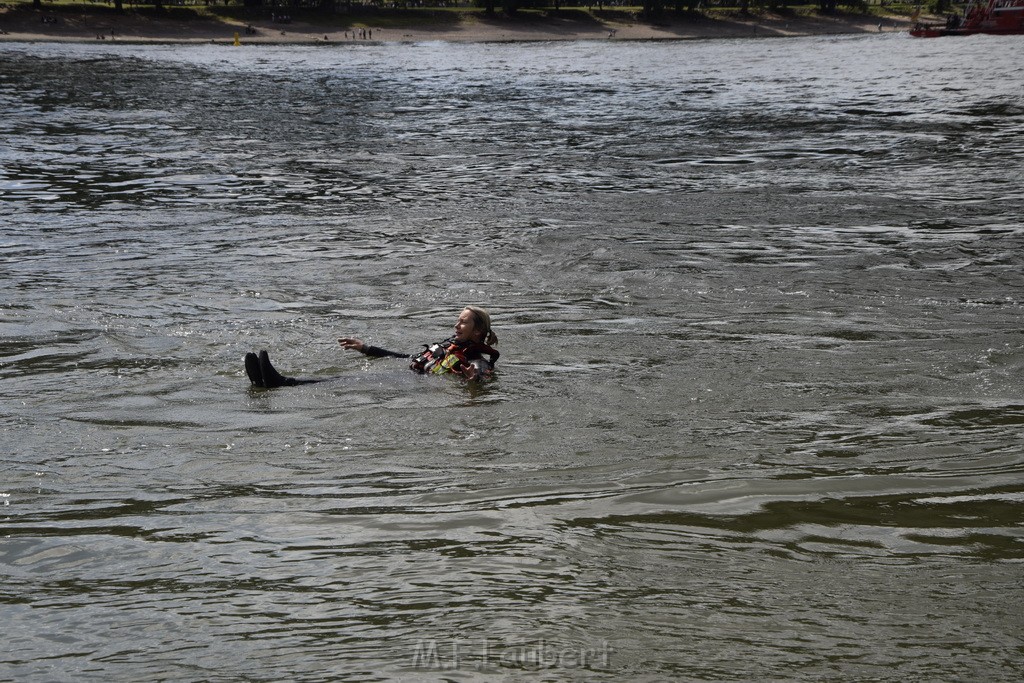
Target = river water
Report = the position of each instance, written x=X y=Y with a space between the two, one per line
x=758 y=413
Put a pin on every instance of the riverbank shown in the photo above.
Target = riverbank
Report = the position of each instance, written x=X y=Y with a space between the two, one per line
x=174 y=25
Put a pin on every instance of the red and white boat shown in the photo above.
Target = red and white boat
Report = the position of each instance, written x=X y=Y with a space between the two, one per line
x=1000 y=17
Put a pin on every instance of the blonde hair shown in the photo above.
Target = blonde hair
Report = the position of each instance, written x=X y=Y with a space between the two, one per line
x=483 y=321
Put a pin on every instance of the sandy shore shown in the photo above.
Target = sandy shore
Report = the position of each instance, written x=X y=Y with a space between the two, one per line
x=29 y=25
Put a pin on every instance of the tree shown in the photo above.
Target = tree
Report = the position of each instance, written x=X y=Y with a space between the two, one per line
x=686 y=6
x=653 y=8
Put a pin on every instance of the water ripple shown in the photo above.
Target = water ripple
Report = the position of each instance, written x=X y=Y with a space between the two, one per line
x=757 y=412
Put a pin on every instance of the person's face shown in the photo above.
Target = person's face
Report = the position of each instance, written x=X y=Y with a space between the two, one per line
x=465 y=328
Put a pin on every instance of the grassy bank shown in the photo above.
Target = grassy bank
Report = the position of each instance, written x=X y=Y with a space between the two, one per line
x=405 y=17
x=64 y=19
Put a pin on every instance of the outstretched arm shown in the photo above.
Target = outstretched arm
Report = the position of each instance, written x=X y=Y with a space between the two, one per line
x=366 y=349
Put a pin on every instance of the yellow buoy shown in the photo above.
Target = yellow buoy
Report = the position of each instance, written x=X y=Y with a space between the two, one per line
x=237 y=41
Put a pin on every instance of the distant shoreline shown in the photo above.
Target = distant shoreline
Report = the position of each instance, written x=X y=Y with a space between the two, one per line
x=24 y=24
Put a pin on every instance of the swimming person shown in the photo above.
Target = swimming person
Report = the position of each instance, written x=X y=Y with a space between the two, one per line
x=469 y=352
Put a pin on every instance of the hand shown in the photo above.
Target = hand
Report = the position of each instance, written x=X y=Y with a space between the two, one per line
x=476 y=370
x=349 y=343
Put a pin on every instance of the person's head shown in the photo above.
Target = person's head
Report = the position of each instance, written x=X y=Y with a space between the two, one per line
x=474 y=324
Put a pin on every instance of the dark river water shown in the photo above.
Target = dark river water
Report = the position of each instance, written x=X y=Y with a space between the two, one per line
x=758 y=413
